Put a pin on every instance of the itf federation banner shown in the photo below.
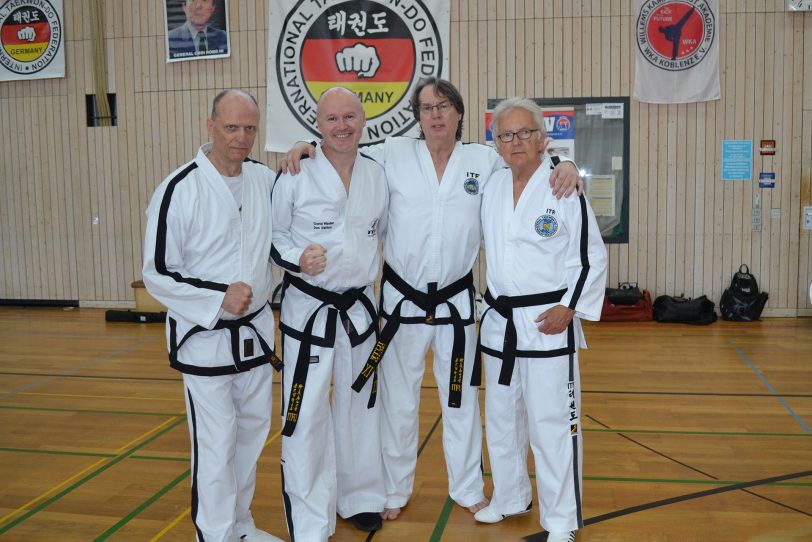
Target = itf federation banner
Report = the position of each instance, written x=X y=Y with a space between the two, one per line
x=32 y=44
x=378 y=49
x=677 y=58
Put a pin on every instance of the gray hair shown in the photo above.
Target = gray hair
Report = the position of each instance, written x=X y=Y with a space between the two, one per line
x=517 y=103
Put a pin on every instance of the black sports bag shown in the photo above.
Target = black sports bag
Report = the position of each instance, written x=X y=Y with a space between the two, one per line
x=697 y=311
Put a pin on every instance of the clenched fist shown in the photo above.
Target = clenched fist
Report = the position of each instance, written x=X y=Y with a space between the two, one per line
x=313 y=260
x=238 y=298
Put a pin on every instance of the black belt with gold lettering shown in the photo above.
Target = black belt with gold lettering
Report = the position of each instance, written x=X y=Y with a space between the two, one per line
x=342 y=303
x=504 y=305
x=233 y=327
x=427 y=301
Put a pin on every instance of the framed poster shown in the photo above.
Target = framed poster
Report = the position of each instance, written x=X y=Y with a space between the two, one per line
x=196 y=29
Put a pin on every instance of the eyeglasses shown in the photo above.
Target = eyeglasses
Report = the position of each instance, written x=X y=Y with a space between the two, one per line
x=524 y=133
x=442 y=107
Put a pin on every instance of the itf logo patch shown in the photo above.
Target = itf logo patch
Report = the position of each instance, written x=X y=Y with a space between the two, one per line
x=471 y=186
x=546 y=225
x=378 y=49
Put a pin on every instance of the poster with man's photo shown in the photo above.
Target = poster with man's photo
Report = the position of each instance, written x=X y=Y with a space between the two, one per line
x=196 y=29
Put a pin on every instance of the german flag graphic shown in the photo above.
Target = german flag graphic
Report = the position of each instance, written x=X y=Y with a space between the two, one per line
x=378 y=49
x=25 y=34
x=368 y=50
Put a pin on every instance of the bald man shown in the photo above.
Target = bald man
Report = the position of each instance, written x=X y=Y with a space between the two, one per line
x=327 y=222
x=206 y=258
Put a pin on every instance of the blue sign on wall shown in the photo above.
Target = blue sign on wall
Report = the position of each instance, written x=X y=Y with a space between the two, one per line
x=737 y=160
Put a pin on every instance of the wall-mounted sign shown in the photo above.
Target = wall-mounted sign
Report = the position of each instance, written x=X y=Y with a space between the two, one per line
x=737 y=160
x=767 y=146
x=766 y=179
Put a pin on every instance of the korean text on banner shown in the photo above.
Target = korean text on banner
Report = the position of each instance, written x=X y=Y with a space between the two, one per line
x=379 y=50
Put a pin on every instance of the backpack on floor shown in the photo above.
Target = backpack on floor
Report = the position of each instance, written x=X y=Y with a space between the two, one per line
x=742 y=302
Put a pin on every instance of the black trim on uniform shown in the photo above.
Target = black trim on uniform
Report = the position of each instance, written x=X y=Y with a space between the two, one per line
x=195 y=463
x=368 y=157
x=576 y=475
x=584 y=247
x=160 y=238
x=288 y=507
x=281 y=262
x=238 y=364
x=276 y=256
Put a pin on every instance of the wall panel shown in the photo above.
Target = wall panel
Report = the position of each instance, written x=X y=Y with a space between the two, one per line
x=689 y=231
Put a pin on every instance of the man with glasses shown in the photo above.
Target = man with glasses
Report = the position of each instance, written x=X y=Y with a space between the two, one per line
x=427 y=291
x=546 y=269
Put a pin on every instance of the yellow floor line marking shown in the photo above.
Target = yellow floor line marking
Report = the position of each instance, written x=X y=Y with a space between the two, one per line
x=42 y=496
x=117 y=397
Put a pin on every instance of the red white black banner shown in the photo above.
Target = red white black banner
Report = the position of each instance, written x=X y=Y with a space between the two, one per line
x=378 y=49
x=677 y=58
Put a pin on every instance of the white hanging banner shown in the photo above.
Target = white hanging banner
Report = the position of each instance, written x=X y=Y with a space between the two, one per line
x=32 y=41
x=378 y=49
x=677 y=57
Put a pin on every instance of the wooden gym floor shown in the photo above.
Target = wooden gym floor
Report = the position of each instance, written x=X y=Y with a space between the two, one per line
x=691 y=434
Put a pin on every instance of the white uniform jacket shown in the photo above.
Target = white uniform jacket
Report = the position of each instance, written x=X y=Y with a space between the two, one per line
x=544 y=245
x=434 y=232
x=314 y=207
x=197 y=243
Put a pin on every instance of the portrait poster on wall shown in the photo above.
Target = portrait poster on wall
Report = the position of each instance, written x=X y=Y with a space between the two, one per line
x=196 y=29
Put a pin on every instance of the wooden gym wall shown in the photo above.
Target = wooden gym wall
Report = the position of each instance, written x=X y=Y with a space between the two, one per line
x=689 y=231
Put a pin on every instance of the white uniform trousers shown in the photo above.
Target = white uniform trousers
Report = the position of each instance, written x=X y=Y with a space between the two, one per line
x=541 y=404
x=401 y=374
x=333 y=459
x=229 y=419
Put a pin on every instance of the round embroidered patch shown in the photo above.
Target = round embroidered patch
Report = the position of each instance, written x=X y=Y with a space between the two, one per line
x=471 y=186
x=546 y=225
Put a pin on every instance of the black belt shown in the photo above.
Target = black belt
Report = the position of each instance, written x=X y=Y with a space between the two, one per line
x=427 y=301
x=233 y=327
x=504 y=305
x=342 y=302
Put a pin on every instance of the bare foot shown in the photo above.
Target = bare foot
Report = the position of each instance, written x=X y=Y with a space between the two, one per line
x=478 y=506
x=390 y=513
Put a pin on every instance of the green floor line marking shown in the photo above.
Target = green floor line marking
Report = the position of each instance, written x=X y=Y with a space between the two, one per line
x=439 y=527
x=143 y=506
x=161 y=458
x=709 y=433
x=90 y=454
x=8 y=526
x=676 y=481
x=55 y=452
x=90 y=411
x=683 y=481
